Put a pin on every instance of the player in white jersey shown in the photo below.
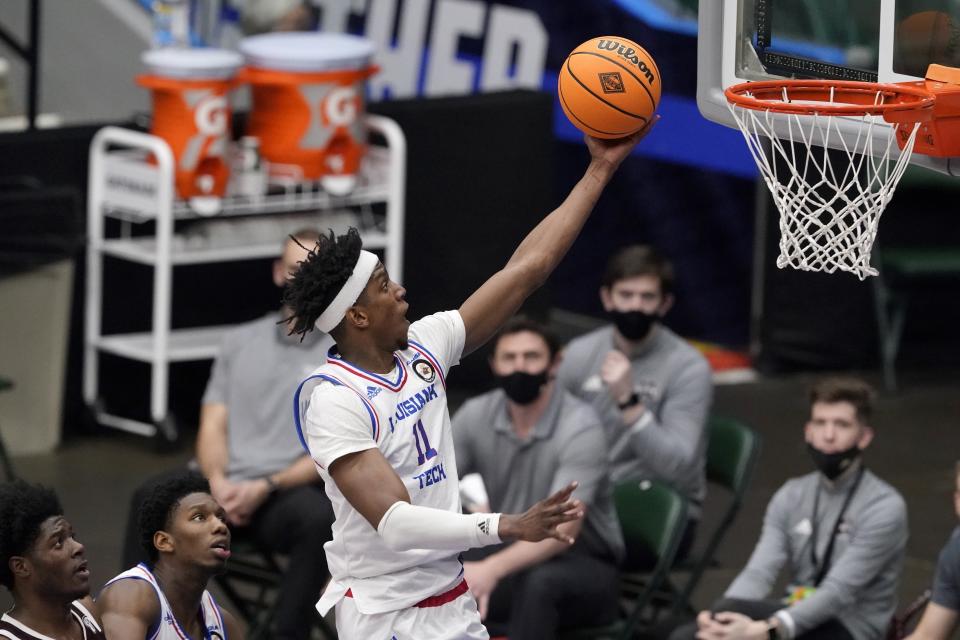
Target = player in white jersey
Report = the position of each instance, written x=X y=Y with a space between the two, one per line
x=184 y=532
x=45 y=568
x=374 y=418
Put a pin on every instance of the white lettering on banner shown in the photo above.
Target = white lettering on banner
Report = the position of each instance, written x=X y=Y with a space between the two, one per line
x=514 y=44
x=511 y=26
x=399 y=58
x=452 y=20
x=340 y=106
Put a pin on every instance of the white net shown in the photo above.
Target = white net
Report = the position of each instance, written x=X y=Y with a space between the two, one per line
x=830 y=203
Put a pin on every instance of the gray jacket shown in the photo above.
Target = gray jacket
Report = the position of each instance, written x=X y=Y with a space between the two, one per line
x=860 y=587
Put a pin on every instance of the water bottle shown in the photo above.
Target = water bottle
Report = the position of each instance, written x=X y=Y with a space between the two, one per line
x=251 y=174
x=171 y=23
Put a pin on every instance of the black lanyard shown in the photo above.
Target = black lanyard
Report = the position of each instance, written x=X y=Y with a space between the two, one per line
x=821 y=569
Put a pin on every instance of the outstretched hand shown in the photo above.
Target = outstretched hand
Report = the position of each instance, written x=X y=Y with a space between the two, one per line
x=614 y=151
x=542 y=520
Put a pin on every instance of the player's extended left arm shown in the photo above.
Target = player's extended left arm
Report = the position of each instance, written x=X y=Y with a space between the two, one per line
x=543 y=248
x=374 y=489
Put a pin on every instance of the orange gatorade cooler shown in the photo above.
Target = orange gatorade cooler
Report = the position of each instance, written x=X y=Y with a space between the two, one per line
x=191 y=112
x=308 y=102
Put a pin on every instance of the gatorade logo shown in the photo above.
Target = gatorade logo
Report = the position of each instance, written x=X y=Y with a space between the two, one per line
x=210 y=116
x=340 y=107
x=627 y=53
x=332 y=108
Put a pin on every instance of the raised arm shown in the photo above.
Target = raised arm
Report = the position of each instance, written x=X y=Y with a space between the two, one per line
x=543 y=248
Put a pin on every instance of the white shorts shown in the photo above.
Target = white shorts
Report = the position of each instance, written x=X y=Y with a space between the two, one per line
x=455 y=620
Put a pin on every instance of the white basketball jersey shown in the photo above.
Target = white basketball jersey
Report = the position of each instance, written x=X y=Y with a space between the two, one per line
x=167 y=627
x=342 y=409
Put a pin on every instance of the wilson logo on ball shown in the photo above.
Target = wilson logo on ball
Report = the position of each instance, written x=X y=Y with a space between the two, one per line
x=611 y=82
x=609 y=87
x=627 y=53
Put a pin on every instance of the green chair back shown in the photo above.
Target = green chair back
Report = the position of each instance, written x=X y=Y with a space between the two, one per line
x=732 y=449
x=651 y=514
x=732 y=452
x=654 y=516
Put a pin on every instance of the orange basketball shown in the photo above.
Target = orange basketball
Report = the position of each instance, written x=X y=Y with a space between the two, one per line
x=924 y=38
x=609 y=87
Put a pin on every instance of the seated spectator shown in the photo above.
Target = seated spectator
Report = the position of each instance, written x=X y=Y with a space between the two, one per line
x=840 y=532
x=528 y=439
x=184 y=532
x=248 y=449
x=940 y=617
x=651 y=388
x=45 y=568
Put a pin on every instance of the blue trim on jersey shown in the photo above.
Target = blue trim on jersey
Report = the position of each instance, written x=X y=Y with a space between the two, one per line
x=432 y=358
x=216 y=611
x=374 y=421
x=335 y=356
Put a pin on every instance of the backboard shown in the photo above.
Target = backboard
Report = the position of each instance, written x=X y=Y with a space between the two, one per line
x=865 y=40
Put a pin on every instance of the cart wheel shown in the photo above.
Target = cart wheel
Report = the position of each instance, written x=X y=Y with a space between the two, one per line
x=167 y=437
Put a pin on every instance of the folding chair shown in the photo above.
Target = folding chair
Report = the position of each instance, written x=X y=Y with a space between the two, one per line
x=732 y=452
x=4 y=458
x=901 y=270
x=652 y=516
x=251 y=581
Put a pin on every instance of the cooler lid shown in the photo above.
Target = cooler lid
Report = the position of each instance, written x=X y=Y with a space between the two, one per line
x=195 y=64
x=307 y=52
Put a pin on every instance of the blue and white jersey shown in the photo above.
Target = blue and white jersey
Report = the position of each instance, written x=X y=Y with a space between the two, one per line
x=342 y=409
x=167 y=627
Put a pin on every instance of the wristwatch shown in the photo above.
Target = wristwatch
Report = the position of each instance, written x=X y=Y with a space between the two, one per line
x=272 y=485
x=632 y=401
x=773 y=629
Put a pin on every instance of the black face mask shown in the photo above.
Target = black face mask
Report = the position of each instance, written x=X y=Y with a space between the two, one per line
x=633 y=325
x=521 y=387
x=833 y=464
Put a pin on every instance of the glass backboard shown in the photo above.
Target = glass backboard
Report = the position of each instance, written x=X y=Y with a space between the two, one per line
x=865 y=40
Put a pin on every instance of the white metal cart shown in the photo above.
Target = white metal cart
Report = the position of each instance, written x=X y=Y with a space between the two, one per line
x=125 y=186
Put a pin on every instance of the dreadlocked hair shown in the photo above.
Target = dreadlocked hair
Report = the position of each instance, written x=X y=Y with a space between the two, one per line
x=23 y=508
x=320 y=277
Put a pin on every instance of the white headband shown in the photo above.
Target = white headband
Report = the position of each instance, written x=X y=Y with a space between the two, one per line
x=349 y=293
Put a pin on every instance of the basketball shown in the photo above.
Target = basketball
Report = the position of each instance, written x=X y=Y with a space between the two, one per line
x=924 y=38
x=609 y=87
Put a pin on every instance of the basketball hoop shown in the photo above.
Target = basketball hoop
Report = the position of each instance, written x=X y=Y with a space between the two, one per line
x=830 y=207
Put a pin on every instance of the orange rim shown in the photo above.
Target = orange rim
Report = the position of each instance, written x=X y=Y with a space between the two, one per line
x=907 y=101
